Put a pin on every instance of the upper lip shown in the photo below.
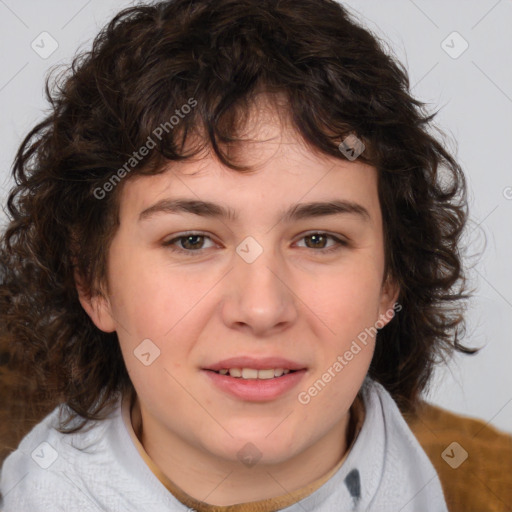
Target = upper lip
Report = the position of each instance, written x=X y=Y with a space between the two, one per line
x=264 y=363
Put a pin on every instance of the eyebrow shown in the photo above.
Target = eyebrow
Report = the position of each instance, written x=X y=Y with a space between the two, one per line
x=296 y=212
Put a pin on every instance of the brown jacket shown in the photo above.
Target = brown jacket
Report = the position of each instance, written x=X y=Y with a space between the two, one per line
x=482 y=482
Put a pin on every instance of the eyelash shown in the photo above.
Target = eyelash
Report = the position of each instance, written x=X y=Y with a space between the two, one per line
x=170 y=243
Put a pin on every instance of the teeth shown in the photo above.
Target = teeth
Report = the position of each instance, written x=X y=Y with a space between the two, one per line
x=249 y=373
x=252 y=373
x=261 y=374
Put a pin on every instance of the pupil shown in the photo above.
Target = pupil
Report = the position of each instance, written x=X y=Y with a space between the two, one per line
x=317 y=238
x=192 y=237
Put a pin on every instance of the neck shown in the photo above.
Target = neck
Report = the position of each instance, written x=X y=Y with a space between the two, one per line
x=206 y=478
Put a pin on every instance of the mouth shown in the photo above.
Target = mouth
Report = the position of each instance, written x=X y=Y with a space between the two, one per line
x=255 y=380
x=253 y=373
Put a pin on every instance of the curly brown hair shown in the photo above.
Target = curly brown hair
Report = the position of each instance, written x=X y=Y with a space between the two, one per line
x=217 y=55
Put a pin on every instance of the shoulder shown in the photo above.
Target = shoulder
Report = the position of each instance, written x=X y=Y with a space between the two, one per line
x=48 y=463
x=481 y=454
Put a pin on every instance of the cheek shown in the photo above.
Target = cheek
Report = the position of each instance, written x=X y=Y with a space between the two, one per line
x=348 y=300
x=143 y=298
x=154 y=302
x=348 y=307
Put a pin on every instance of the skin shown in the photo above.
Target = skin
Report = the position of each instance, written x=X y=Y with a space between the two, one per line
x=292 y=302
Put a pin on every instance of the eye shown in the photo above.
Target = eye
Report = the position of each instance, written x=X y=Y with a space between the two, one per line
x=189 y=243
x=192 y=244
x=318 y=242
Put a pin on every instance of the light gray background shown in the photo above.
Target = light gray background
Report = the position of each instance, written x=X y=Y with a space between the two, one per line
x=473 y=90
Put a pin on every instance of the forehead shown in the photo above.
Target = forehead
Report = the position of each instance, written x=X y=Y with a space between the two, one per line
x=284 y=170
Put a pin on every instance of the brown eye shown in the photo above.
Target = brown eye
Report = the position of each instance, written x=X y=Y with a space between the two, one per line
x=190 y=244
x=317 y=241
x=191 y=241
x=320 y=240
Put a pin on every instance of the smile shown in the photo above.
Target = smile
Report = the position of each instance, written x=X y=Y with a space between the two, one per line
x=253 y=385
x=253 y=373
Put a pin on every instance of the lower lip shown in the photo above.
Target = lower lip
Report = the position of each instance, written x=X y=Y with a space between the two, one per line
x=256 y=390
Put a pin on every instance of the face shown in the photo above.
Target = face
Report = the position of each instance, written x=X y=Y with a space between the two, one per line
x=279 y=284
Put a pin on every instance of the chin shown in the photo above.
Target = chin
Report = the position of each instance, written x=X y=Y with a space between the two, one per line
x=260 y=448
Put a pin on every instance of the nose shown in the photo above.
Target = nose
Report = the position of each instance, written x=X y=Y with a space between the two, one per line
x=259 y=297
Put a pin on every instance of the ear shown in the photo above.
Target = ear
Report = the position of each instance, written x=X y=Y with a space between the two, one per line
x=97 y=306
x=388 y=303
